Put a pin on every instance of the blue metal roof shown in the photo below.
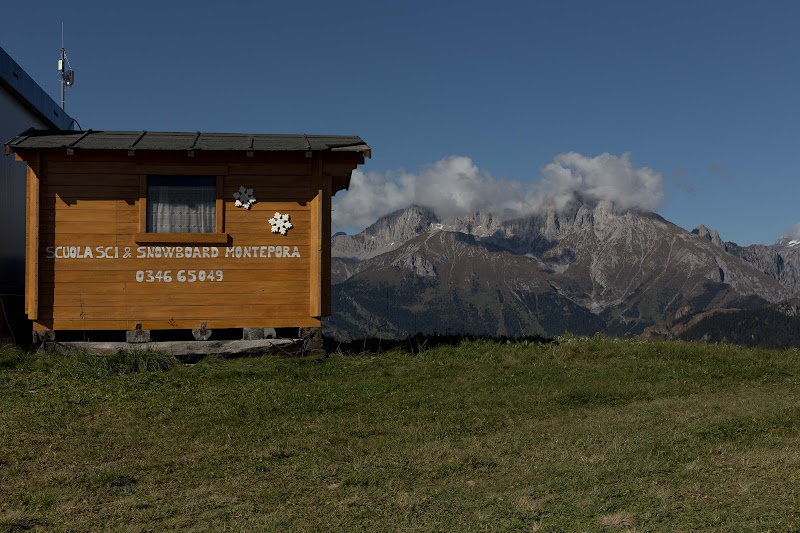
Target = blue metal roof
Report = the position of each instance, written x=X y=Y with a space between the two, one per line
x=16 y=80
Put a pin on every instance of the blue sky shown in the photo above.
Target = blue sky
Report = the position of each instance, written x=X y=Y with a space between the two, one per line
x=705 y=93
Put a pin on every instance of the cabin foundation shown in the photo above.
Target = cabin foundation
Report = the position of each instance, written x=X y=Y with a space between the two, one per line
x=188 y=351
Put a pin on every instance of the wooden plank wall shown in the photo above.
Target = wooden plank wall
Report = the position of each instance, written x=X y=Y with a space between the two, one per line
x=93 y=200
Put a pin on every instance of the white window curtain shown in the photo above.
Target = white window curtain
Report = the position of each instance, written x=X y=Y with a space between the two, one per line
x=185 y=204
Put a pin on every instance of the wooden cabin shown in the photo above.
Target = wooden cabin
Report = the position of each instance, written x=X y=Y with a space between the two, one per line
x=176 y=231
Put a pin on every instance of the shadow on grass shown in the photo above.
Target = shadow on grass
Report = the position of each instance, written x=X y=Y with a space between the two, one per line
x=419 y=343
x=146 y=360
x=80 y=362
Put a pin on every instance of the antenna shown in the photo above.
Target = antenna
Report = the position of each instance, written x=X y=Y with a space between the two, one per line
x=67 y=76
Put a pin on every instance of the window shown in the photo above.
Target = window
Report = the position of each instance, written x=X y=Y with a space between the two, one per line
x=181 y=204
x=181 y=209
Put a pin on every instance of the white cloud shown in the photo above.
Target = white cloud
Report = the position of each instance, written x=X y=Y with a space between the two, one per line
x=456 y=186
x=605 y=177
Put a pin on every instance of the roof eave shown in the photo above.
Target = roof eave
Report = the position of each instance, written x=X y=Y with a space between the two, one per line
x=363 y=148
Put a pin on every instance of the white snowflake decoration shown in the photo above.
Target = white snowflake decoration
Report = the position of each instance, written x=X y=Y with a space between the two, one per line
x=280 y=223
x=244 y=197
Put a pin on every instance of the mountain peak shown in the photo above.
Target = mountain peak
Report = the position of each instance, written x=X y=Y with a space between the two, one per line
x=710 y=234
x=386 y=234
x=790 y=240
x=412 y=220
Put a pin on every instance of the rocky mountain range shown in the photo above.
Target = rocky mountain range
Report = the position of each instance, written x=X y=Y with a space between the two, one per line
x=780 y=261
x=586 y=269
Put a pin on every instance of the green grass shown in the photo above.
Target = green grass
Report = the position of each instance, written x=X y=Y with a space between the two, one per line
x=580 y=435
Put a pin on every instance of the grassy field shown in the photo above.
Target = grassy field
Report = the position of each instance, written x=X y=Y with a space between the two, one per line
x=577 y=435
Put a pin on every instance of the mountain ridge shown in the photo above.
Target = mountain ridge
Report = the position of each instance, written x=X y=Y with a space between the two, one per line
x=620 y=271
x=780 y=261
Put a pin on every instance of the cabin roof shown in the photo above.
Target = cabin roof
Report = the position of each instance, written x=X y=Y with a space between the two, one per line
x=180 y=141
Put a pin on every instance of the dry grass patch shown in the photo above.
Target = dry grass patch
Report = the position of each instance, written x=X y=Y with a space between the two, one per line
x=617 y=521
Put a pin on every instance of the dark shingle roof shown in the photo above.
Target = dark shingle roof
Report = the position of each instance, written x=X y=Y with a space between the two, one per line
x=159 y=140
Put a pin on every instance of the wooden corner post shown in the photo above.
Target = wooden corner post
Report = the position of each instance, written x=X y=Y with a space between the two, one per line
x=316 y=248
x=325 y=260
x=320 y=261
x=32 y=238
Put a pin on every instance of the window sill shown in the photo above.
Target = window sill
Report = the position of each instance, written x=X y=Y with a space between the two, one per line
x=181 y=238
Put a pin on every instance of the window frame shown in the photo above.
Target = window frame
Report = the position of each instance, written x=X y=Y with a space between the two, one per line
x=217 y=237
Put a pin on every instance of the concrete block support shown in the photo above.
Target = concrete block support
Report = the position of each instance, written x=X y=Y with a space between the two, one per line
x=41 y=337
x=252 y=334
x=312 y=340
x=138 y=335
x=202 y=334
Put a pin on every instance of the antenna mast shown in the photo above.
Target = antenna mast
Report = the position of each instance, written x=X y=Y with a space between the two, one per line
x=67 y=76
